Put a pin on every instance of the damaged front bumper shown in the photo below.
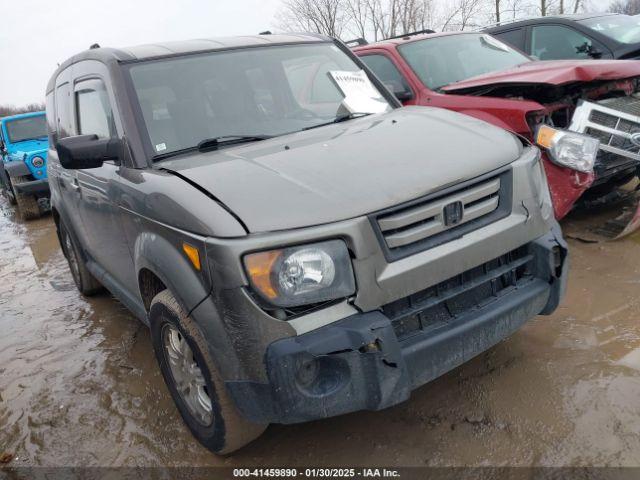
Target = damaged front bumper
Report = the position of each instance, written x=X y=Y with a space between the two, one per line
x=373 y=360
x=615 y=122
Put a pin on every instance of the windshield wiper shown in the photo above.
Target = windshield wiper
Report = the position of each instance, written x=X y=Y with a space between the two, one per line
x=215 y=142
x=340 y=118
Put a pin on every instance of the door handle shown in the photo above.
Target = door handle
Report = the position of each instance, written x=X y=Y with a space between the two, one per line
x=74 y=185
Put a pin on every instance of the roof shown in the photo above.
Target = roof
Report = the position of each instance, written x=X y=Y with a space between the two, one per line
x=573 y=17
x=143 y=52
x=166 y=49
x=22 y=115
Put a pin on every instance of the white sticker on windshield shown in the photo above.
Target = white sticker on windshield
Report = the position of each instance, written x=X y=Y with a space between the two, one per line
x=360 y=96
x=161 y=147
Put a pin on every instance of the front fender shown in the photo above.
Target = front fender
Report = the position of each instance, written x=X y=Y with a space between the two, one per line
x=163 y=258
x=566 y=185
x=16 y=169
x=192 y=289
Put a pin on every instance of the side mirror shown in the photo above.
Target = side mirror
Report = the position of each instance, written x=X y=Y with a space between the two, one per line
x=401 y=92
x=404 y=95
x=87 y=151
x=595 y=53
x=589 y=50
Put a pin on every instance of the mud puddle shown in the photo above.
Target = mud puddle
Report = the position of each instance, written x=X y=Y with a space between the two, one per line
x=79 y=384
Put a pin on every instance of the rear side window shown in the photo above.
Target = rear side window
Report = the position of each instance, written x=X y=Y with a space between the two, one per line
x=93 y=109
x=64 y=121
x=514 y=37
x=555 y=42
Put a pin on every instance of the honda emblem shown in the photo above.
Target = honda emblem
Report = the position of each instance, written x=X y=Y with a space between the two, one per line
x=452 y=213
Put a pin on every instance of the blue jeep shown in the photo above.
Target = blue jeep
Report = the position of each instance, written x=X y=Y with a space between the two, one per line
x=23 y=170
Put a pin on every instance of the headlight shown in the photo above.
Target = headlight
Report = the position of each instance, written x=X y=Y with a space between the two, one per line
x=302 y=275
x=569 y=149
x=37 y=162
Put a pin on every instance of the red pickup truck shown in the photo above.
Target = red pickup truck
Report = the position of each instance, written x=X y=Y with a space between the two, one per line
x=563 y=106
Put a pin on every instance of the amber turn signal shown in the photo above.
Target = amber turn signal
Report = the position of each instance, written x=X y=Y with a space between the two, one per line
x=192 y=254
x=545 y=136
x=259 y=267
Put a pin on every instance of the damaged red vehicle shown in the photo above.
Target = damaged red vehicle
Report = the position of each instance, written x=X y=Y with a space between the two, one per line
x=585 y=114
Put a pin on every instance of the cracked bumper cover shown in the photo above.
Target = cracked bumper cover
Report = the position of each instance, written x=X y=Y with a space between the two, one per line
x=358 y=363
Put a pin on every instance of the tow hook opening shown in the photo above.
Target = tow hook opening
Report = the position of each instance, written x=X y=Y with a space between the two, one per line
x=374 y=346
x=558 y=260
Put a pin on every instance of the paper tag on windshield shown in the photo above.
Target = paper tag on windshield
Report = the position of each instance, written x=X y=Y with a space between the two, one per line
x=360 y=96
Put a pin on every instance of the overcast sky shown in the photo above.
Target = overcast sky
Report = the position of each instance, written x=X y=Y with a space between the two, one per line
x=36 y=35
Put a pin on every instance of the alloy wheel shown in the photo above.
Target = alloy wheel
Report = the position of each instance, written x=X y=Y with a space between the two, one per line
x=187 y=375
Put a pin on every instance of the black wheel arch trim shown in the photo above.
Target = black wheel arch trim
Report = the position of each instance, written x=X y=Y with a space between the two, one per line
x=156 y=254
x=16 y=169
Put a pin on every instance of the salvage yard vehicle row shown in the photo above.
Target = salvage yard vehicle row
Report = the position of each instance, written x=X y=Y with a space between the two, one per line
x=582 y=113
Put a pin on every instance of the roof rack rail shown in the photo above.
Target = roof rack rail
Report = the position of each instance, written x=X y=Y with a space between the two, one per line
x=410 y=34
x=356 y=42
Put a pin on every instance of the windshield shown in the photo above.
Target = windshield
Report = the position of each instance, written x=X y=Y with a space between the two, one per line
x=622 y=28
x=253 y=92
x=441 y=61
x=30 y=128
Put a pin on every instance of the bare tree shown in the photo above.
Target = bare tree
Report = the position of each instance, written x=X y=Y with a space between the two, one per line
x=359 y=15
x=414 y=15
x=8 y=110
x=462 y=14
x=628 y=7
x=378 y=19
x=322 y=16
x=516 y=8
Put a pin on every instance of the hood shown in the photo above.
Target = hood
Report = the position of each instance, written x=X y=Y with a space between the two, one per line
x=28 y=147
x=348 y=169
x=556 y=72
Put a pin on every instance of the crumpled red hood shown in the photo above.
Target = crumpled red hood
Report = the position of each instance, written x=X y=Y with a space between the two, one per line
x=554 y=72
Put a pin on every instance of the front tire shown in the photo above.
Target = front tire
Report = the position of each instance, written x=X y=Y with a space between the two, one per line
x=82 y=277
x=193 y=380
x=27 y=204
x=8 y=189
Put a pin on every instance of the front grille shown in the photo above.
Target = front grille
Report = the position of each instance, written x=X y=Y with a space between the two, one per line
x=613 y=122
x=436 y=306
x=439 y=218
